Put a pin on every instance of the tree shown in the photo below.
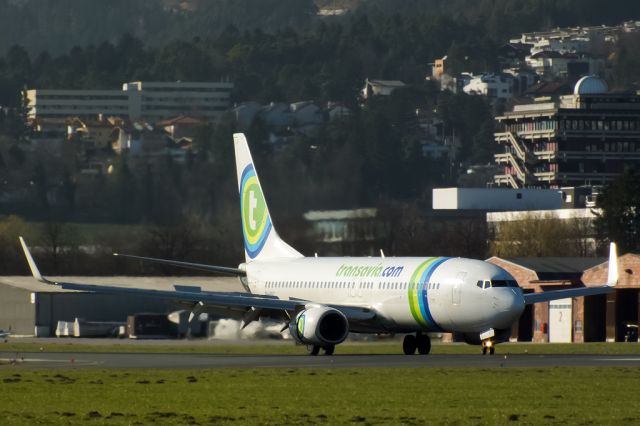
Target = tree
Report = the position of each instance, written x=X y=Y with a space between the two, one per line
x=11 y=257
x=56 y=237
x=541 y=235
x=618 y=218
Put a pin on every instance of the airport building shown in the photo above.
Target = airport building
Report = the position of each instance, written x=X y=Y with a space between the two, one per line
x=30 y=308
x=150 y=101
x=588 y=138
x=612 y=317
x=496 y=199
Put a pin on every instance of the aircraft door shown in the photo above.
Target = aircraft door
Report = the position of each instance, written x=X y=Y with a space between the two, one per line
x=354 y=290
x=456 y=291
x=455 y=294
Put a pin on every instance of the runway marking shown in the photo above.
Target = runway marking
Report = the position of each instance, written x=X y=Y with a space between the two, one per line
x=21 y=360
x=618 y=359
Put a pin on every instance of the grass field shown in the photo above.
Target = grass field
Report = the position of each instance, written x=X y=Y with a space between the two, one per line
x=287 y=348
x=317 y=396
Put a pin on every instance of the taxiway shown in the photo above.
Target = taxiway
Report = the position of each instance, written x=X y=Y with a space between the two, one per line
x=178 y=360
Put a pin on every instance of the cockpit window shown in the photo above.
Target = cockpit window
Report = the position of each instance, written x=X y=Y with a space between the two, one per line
x=504 y=283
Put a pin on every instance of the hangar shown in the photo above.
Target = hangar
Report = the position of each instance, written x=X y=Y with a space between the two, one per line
x=30 y=308
x=582 y=319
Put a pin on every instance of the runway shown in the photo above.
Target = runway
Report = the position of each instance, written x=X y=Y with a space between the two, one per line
x=147 y=360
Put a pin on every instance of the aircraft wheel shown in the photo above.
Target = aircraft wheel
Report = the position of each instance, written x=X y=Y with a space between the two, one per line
x=328 y=350
x=409 y=344
x=423 y=343
x=484 y=350
x=313 y=350
x=492 y=350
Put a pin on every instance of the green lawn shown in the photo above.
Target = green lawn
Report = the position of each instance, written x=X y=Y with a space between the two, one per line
x=302 y=396
x=386 y=347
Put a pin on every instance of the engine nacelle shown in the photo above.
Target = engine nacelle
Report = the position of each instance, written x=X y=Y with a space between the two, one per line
x=319 y=325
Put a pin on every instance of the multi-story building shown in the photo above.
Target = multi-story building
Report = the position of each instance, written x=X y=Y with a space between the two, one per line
x=587 y=138
x=551 y=65
x=491 y=85
x=151 y=101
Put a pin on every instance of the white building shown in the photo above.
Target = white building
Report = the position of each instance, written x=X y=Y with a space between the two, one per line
x=150 y=101
x=562 y=45
x=490 y=85
x=496 y=199
x=380 y=87
x=551 y=64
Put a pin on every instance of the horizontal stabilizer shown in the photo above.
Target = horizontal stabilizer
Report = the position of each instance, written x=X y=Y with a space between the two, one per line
x=187 y=265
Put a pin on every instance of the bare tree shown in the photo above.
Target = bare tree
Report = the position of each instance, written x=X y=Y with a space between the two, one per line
x=536 y=234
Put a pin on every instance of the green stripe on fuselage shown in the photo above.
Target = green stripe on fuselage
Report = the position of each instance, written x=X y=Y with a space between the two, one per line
x=414 y=292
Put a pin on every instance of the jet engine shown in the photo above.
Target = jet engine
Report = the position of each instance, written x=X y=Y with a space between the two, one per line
x=319 y=325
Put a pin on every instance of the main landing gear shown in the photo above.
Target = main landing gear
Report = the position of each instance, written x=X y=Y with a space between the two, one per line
x=315 y=349
x=488 y=344
x=420 y=341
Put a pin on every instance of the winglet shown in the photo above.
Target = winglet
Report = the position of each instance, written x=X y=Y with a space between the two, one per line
x=612 y=278
x=32 y=264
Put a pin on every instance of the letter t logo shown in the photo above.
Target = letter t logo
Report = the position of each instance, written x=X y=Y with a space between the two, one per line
x=253 y=203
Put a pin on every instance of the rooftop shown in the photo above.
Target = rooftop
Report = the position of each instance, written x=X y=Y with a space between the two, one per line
x=387 y=83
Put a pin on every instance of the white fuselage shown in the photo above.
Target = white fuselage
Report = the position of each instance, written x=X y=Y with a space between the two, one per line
x=408 y=294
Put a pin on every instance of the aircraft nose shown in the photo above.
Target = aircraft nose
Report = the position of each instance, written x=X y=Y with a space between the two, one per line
x=516 y=303
x=510 y=303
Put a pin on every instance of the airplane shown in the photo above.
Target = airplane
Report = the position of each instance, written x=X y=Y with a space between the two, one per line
x=323 y=299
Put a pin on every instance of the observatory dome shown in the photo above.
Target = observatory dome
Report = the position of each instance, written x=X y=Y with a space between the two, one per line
x=590 y=85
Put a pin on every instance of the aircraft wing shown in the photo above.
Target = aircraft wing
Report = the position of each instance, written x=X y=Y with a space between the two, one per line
x=231 y=300
x=188 y=265
x=612 y=280
x=562 y=294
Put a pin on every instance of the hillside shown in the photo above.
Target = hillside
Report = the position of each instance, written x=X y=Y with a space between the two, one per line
x=56 y=26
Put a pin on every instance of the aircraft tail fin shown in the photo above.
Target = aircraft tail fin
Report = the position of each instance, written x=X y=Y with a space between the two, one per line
x=261 y=241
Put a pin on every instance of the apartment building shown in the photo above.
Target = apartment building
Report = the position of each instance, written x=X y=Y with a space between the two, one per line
x=490 y=85
x=587 y=138
x=151 y=101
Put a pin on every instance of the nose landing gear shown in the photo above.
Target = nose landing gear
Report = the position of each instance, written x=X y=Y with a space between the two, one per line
x=488 y=344
x=420 y=341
